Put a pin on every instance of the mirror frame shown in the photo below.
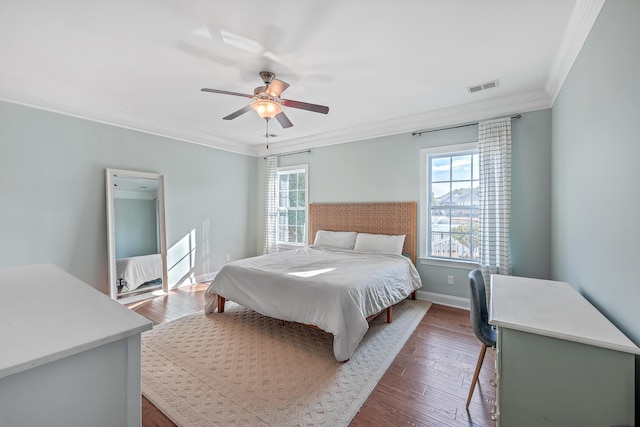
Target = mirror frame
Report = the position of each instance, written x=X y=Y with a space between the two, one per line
x=111 y=174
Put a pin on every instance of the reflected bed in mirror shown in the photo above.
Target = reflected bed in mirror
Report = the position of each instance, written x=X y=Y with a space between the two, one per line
x=136 y=234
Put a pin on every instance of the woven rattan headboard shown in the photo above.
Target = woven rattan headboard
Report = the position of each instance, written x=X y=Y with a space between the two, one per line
x=392 y=218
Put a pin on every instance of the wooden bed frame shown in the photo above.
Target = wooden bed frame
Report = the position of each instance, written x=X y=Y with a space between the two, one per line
x=392 y=218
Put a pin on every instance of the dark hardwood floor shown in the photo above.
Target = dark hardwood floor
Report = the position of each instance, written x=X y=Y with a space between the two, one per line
x=426 y=385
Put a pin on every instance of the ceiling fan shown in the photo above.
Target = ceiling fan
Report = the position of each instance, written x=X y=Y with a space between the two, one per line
x=267 y=102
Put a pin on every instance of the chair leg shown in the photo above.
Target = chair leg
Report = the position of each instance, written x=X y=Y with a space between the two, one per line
x=483 y=350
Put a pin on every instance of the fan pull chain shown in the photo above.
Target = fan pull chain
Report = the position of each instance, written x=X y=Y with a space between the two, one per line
x=267 y=132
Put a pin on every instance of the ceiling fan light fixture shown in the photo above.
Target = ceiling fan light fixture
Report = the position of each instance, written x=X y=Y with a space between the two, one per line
x=267 y=102
x=266 y=108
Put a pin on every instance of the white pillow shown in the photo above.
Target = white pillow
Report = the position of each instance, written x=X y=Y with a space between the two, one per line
x=335 y=239
x=379 y=243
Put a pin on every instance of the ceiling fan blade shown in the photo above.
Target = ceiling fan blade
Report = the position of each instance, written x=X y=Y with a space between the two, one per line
x=237 y=113
x=226 y=92
x=283 y=120
x=305 y=106
x=277 y=87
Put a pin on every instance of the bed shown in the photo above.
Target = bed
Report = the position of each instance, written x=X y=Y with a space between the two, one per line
x=348 y=276
x=134 y=272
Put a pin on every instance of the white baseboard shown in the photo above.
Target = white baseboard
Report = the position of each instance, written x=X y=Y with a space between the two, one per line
x=207 y=277
x=193 y=280
x=443 y=299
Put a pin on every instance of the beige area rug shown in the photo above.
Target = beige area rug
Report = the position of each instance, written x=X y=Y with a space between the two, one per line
x=242 y=368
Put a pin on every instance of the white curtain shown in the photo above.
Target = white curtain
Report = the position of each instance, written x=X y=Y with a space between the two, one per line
x=494 y=148
x=270 y=206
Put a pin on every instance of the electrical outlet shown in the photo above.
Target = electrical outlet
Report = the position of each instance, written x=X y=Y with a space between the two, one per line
x=228 y=257
x=450 y=280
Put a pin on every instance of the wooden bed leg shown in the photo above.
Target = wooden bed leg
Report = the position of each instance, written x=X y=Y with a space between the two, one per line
x=221 y=302
x=389 y=315
x=413 y=295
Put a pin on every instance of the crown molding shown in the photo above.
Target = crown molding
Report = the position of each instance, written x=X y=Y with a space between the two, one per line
x=143 y=125
x=583 y=17
x=520 y=103
x=460 y=114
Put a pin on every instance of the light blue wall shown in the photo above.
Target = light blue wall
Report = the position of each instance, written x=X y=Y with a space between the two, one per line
x=52 y=194
x=52 y=187
x=531 y=195
x=596 y=175
x=388 y=169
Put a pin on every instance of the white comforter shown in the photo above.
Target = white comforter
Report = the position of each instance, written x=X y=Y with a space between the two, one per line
x=333 y=289
x=138 y=270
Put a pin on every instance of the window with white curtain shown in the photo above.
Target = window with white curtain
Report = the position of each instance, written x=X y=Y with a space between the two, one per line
x=450 y=206
x=292 y=205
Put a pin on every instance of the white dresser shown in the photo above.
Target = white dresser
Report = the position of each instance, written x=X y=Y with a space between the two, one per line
x=560 y=362
x=69 y=355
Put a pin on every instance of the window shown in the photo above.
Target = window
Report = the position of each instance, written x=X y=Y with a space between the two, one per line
x=292 y=205
x=451 y=193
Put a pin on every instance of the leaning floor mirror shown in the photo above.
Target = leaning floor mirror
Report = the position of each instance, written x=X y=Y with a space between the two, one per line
x=136 y=234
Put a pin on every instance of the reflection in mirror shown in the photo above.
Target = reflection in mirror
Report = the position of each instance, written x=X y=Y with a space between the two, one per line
x=136 y=231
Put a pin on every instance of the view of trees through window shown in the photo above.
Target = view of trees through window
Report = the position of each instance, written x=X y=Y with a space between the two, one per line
x=292 y=206
x=454 y=211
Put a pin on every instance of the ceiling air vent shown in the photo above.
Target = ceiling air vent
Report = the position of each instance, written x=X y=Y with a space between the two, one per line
x=483 y=86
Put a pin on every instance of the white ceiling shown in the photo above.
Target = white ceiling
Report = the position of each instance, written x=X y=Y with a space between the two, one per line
x=382 y=67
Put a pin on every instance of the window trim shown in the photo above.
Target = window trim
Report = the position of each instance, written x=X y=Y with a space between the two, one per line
x=305 y=167
x=425 y=224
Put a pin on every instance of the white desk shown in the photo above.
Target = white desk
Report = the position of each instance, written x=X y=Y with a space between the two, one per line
x=559 y=360
x=70 y=354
